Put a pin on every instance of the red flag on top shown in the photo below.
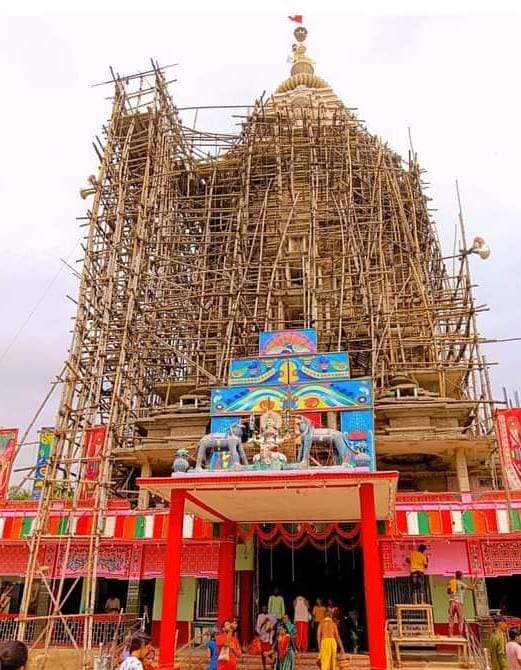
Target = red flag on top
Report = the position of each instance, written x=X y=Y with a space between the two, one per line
x=297 y=18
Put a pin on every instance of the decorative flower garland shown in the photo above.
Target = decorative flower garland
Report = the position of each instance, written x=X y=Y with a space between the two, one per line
x=297 y=535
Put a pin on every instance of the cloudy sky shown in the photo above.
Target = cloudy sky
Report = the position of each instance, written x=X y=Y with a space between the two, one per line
x=453 y=79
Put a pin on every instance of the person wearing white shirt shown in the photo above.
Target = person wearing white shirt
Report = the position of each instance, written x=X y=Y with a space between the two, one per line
x=514 y=649
x=302 y=617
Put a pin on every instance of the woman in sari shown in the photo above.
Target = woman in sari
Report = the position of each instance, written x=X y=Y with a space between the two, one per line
x=283 y=649
x=228 y=649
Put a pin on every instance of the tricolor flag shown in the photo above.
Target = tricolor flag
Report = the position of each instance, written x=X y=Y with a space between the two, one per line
x=297 y=18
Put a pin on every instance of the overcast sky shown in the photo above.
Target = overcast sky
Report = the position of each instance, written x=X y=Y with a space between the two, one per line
x=454 y=80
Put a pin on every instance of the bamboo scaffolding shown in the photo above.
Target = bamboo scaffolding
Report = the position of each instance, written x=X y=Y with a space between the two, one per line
x=196 y=241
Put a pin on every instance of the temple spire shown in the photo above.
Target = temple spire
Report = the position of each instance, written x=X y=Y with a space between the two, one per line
x=302 y=64
x=302 y=71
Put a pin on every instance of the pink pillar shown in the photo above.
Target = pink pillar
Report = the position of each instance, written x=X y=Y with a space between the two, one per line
x=172 y=580
x=373 y=580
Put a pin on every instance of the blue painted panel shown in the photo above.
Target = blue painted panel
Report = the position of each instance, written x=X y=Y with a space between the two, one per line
x=358 y=429
x=314 y=397
x=315 y=367
x=326 y=396
x=320 y=367
x=247 y=371
x=221 y=424
x=248 y=399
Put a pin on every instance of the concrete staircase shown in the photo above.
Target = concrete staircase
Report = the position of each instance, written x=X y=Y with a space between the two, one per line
x=196 y=660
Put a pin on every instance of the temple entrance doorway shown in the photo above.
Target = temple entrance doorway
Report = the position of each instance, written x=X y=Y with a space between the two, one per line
x=504 y=594
x=334 y=574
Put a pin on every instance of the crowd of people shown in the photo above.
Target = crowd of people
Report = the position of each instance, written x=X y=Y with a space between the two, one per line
x=277 y=644
x=279 y=637
x=504 y=655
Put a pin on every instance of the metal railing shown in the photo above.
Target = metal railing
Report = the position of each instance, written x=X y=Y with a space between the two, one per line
x=108 y=629
x=477 y=653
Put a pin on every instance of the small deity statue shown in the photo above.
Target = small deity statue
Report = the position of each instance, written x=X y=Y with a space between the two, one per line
x=270 y=426
x=269 y=458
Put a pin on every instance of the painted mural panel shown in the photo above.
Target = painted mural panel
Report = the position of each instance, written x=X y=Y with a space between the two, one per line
x=246 y=371
x=248 y=399
x=358 y=429
x=288 y=342
x=222 y=424
x=316 y=397
x=349 y=393
x=319 y=367
x=322 y=367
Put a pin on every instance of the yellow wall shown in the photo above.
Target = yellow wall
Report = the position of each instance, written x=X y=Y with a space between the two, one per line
x=440 y=600
x=244 y=555
x=185 y=603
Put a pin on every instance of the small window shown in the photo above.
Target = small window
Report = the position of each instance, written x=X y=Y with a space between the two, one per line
x=398 y=591
x=206 y=607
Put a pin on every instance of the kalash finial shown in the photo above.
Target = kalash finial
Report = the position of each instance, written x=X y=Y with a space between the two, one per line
x=302 y=64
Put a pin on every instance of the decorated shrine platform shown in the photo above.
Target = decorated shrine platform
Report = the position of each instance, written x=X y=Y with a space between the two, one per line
x=318 y=494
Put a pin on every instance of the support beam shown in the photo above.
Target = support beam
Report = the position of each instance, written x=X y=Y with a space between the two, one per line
x=144 y=495
x=225 y=599
x=462 y=470
x=174 y=547
x=373 y=580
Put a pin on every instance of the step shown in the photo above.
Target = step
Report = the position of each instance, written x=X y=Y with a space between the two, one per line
x=196 y=660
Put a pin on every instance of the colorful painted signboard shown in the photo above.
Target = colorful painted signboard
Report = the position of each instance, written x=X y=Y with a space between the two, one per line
x=315 y=397
x=319 y=367
x=288 y=342
x=8 y=438
x=290 y=377
x=248 y=399
x=44 y=452
x=339 y=395
x=358 y=429
x=508 y=430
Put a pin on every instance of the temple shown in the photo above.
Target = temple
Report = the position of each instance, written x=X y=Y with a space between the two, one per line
x=274 y=381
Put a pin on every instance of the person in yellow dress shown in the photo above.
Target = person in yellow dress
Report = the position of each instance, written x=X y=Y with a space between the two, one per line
x=418 y=562
x=329 y=641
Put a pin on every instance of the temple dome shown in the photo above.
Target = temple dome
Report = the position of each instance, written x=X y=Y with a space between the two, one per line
x=308 y=79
